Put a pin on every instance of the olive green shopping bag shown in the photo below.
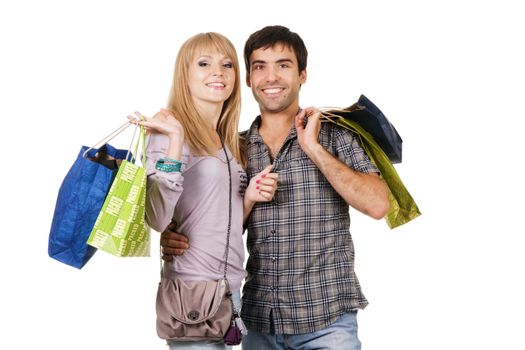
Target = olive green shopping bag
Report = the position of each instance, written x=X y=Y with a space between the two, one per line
x=120 y=228
x=382 y=143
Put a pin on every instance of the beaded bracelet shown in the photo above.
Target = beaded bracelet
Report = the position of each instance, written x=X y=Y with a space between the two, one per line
x=168 y=165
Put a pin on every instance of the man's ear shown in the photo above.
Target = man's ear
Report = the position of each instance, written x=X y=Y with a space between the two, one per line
x=302 y=76
x=248 y=79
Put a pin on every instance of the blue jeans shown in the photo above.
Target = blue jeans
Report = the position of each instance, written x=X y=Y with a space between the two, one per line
x=203 y=345
x=340 y=335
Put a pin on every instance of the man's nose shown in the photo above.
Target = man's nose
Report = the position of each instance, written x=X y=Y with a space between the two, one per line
x=272 y=74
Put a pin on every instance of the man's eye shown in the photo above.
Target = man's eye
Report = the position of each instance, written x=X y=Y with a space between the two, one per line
x=258 y=67
x=284 y=65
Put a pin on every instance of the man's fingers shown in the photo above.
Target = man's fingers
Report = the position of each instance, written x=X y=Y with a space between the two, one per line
x=299 y=121
x=172 y=235
x=173 y=243
x=167 y=258
x=312 y=113
x=172 y=251
x=301 y=114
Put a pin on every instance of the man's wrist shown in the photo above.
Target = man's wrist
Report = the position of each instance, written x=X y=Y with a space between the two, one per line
x=314 y=151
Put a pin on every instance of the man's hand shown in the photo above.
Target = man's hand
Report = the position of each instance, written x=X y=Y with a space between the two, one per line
x=172 y=243
x=366 y=193
x=307 y=135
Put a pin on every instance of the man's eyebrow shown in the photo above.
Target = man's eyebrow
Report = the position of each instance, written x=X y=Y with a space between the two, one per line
x=258 y=62
x=282 y=60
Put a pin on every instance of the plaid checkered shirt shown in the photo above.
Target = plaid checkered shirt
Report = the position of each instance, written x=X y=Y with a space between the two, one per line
x=301 y=262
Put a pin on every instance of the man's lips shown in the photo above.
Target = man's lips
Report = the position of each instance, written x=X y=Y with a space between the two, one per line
x=272 y=90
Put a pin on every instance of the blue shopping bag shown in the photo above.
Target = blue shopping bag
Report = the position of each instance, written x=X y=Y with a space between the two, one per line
x=79 y=201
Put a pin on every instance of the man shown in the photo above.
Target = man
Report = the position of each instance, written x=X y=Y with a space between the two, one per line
x=301 y=291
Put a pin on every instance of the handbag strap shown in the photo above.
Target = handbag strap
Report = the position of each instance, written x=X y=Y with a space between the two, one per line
x=226 y=253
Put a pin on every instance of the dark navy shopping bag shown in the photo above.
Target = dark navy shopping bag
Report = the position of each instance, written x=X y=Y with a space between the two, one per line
x=370 y=118
x=79 y=201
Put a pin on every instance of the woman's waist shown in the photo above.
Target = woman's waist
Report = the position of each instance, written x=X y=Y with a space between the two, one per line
x=200 y=272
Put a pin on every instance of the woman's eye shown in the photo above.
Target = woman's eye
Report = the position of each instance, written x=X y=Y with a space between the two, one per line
x=203 y=64
x=228 y=65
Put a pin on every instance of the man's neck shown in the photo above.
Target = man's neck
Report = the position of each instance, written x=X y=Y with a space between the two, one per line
x=275 y=127
x=280 y=121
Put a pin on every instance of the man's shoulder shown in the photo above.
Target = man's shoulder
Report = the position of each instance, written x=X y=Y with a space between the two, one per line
x=252 y=129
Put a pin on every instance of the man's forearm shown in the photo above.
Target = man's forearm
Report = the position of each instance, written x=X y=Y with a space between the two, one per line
x=364 y=192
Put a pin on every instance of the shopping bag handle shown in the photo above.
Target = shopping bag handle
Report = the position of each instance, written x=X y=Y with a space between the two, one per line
x=141 y=140
x=108 y=138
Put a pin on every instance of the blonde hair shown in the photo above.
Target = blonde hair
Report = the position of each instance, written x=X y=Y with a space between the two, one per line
x=198 y=135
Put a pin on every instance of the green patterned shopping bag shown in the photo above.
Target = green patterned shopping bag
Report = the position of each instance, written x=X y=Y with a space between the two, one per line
x=120 y=228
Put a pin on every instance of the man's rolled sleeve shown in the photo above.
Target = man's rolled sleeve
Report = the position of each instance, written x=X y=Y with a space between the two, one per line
x=350 y=152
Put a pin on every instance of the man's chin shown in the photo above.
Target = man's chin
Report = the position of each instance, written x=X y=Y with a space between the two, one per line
x=272 y=108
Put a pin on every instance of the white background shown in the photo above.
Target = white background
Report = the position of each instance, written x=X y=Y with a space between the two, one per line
x=448 y=74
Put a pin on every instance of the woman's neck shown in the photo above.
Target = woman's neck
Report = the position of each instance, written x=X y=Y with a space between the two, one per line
x=211 y=112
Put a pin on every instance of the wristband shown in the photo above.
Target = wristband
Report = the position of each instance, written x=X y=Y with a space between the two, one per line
x=168 y=165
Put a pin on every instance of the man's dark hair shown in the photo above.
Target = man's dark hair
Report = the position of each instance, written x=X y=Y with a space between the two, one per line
x=272 y=35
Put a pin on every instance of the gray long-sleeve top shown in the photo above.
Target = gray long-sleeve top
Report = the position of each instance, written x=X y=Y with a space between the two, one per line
x=197 y=199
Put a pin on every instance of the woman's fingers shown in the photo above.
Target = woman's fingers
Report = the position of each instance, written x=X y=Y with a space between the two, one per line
x=266 y=196
x=267 y=186
x=133 y=120
x=267 y=181
x=141 y=116
x=266 y=170
x=138 y=118
x=268 y=189
x=136 y=121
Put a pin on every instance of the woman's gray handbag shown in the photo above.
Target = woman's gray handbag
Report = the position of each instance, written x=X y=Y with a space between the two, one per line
x=191 y=311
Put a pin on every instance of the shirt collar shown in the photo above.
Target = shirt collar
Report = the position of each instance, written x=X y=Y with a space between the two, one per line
x=255 y=137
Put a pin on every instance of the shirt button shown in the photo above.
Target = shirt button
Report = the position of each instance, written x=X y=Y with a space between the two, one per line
x=273 y=259
x=272 y=232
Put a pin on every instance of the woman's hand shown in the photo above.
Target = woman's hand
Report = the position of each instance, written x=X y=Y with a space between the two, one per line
x=163 y=123
x=262 y=186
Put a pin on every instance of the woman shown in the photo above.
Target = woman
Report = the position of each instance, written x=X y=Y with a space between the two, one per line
x=189 y=148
